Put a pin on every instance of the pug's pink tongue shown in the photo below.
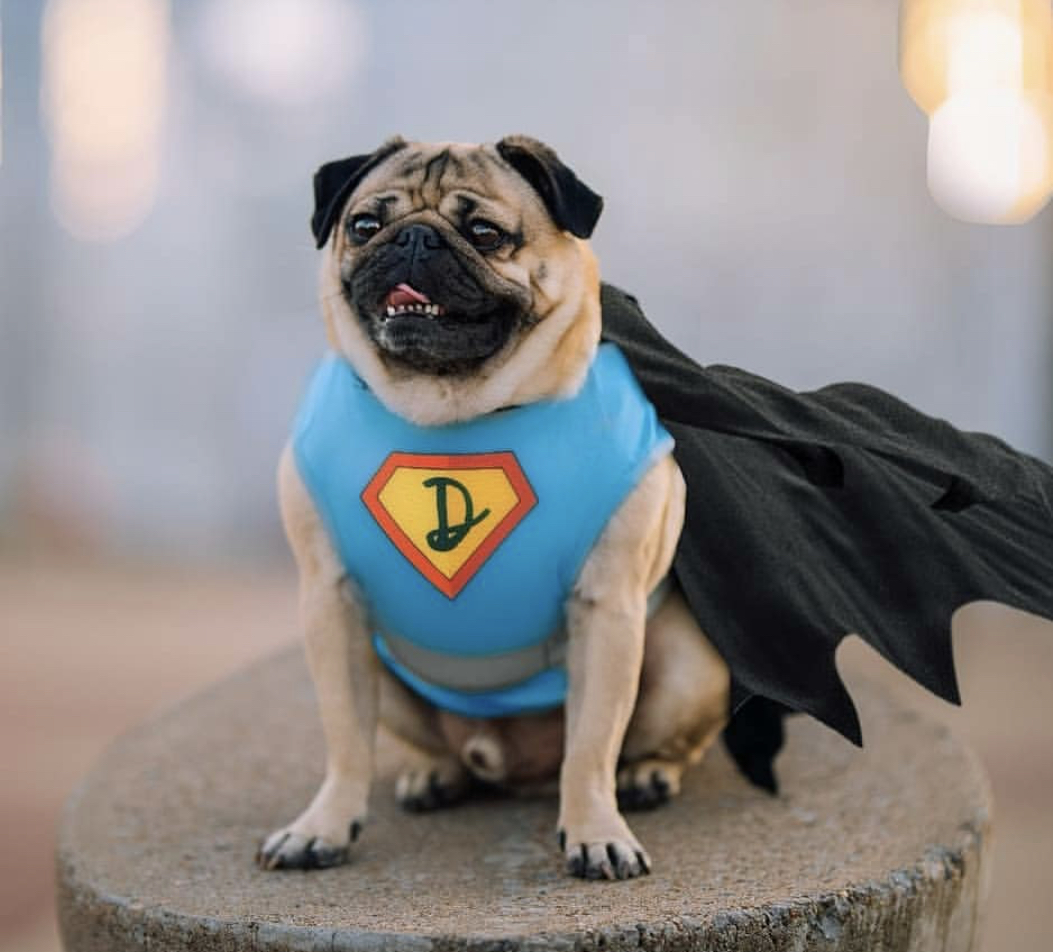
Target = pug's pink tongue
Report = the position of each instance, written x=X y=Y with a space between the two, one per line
x=403 y=294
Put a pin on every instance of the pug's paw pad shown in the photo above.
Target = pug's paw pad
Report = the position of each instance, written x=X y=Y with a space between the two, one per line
x=438 y=783
x=289 y=849
x=647 y=784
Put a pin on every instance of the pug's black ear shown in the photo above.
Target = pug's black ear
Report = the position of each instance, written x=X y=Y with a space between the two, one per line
x=572 y=204
x=334 y=181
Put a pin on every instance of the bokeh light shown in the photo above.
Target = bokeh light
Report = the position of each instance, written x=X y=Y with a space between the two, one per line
x=988 y=157
x=104 y=66
x=283 y=52
x=981 y=70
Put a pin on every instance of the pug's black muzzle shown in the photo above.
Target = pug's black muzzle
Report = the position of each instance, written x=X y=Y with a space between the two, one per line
x=470 y=314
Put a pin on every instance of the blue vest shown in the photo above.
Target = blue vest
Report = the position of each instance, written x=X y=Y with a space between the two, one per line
x=466 y=539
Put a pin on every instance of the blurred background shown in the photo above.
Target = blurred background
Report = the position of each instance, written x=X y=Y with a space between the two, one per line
x=764 y=173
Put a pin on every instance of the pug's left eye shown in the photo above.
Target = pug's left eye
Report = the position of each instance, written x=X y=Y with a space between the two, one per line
x=485 y=235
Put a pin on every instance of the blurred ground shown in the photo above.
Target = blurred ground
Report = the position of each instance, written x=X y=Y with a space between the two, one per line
x=90 y=649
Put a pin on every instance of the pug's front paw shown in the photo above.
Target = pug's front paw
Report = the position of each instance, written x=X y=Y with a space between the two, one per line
x=322 y=835
x=604 y=854
x=289 y=848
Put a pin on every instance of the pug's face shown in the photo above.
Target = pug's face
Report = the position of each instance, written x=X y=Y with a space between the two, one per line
x=444 y=263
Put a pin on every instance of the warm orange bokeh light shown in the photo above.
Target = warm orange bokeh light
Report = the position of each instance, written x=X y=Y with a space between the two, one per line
x=104 y=91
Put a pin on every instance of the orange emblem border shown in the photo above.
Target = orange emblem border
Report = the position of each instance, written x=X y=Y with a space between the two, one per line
x=504 y=460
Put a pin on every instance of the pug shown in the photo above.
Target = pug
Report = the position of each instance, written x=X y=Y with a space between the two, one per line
x=483 y=511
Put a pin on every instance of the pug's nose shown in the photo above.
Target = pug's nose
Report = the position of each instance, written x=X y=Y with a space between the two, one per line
x=417 y=238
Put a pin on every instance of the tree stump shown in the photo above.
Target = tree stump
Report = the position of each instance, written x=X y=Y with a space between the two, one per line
x=881 y=849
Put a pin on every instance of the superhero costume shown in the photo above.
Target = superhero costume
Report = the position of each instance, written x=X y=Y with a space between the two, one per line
x=466 y=539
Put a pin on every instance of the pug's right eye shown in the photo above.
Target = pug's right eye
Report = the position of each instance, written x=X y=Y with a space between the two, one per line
x=364 y=227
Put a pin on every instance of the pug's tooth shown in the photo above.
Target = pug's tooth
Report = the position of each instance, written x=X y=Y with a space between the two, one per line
x=391 y=311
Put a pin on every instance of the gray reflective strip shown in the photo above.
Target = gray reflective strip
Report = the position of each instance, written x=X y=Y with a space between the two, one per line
x=492 y=672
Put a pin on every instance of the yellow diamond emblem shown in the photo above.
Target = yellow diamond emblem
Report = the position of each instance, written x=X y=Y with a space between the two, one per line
x=447 y=514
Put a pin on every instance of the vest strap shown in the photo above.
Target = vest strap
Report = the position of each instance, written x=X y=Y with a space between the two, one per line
x=493 y=672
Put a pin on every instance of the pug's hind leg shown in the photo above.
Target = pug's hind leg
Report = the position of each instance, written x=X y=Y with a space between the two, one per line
x=645 y=784
x=680 y=710
x=435 y=778
x=436 y=783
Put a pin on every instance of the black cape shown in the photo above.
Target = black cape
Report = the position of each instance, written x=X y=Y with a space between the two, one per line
x=843 y=510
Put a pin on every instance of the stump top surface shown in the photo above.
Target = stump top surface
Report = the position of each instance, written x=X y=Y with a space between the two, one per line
x=159 y=841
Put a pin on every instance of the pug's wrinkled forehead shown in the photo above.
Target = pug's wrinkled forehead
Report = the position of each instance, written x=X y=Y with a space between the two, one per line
x=501 y=183
x=470 y=188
